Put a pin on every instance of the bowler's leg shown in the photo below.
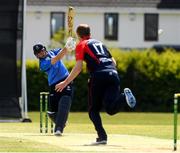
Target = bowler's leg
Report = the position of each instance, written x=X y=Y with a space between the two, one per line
x=94 y=107
x=113 y=99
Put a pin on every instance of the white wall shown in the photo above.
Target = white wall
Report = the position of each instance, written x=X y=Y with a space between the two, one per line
x=95 y=21
x=130 y=31
x=38 y=30
x=170 y=23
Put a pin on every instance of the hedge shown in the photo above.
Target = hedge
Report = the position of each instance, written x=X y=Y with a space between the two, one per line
x=153 y=77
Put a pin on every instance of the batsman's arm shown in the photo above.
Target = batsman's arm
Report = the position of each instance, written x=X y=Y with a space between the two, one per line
x=59 y=56
x=69 y=46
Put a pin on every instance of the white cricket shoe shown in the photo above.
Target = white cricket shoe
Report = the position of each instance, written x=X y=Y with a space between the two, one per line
x=58 y=133
x=130 y=99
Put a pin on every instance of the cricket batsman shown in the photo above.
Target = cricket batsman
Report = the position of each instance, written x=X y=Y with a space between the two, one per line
x=60 y=102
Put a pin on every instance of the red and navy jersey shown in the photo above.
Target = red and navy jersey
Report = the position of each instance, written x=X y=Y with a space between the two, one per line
x=95 y=54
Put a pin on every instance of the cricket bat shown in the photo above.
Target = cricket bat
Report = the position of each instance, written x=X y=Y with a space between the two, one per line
x=70 y=21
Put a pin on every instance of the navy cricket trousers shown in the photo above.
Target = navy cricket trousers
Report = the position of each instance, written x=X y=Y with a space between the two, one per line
x=104 y=92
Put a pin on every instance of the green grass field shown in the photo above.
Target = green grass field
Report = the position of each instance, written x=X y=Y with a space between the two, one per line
x=152 y=125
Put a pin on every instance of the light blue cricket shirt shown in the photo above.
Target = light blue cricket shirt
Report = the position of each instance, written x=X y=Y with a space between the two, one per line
x=55 y=72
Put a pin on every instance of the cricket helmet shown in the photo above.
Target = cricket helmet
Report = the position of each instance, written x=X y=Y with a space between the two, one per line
x=37 y=48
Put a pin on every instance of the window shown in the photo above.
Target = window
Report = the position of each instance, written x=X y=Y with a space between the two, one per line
x=57 y=22
x=111 y=26
x=151 y=27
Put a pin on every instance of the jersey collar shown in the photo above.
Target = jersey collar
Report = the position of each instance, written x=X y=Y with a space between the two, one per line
x=85 y=38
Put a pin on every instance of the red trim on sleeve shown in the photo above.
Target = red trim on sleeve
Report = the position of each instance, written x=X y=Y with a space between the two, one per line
x=80 y=51
x=83 y=48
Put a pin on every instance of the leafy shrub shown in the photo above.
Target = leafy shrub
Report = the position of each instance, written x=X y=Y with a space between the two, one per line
x=153 y=77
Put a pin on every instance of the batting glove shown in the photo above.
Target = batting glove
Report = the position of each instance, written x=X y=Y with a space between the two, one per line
x=70 y=44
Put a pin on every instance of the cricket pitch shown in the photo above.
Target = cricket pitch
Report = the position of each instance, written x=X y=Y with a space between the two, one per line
x=79 y=142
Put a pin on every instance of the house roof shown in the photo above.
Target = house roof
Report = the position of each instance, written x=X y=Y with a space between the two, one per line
x=96 y=3
x=171 y=4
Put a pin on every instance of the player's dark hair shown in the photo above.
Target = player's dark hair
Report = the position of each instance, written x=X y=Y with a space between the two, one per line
x=83 y=30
